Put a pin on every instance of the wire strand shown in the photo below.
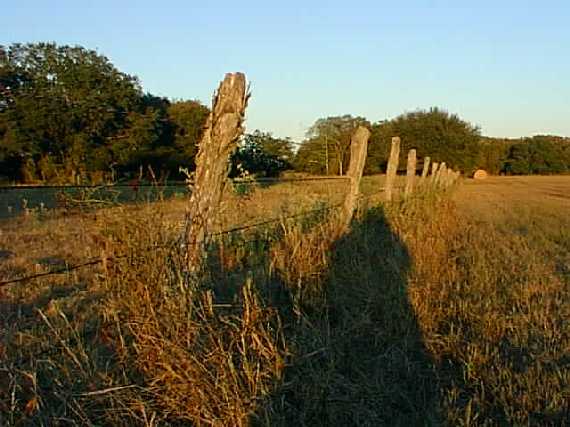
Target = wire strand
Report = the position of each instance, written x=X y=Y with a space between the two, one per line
x=96 y=261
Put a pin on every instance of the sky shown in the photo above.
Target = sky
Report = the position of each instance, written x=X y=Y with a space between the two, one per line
x=502 y=65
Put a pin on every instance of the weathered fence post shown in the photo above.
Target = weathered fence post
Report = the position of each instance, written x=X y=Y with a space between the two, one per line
x=439 y=173
x=425 y=169
x=358 y=151
x=392 y=168
x=410 y=173
x=447 y=178
x=434 y=169
x=219 y=140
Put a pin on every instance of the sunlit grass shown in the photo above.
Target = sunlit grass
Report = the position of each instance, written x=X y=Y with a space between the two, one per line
x=430 y=311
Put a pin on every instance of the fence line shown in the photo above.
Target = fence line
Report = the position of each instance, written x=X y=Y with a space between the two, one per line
x=96 y=261
x=219 y=140
x=392 y=168
x=410 y=173
x=252 y=181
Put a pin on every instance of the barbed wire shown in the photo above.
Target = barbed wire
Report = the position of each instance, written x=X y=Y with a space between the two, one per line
x=276 y=220
x=96 y=261
x=303 y=179
x=171 y=184
x=68 y=268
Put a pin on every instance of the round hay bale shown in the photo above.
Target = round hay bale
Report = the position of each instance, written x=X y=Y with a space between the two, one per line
x=480 y=174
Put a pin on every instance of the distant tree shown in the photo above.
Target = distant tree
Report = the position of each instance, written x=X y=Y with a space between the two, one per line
x=379 y=147
x=61 y=102
x=434 y=132
x=327 y=147
x=67 y=112
x=262 y=154
x=518 y=162
x=187 y=120
x=493 y=154
x=541 y=154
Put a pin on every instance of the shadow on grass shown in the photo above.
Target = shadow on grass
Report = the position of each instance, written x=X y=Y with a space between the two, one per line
x=360 y=360
x=356 y=351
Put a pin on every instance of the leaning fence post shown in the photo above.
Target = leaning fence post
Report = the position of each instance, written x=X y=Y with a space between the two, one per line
x=439 y=173
x=446 y=181
x=434 y=169
x=358 y=151
x=410 y=172
x=392 y=168
x=219 y=140
x=425 y=169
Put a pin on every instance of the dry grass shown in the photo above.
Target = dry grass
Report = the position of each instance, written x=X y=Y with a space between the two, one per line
x=430 y=311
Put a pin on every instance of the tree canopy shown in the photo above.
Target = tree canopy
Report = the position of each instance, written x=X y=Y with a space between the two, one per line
x=261 y=154
x=443 y=136
x=541 y=154
x=435 y=133
x=68 y=115
x=327 y=147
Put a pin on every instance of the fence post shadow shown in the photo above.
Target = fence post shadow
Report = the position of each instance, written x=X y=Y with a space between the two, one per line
x=361 y=359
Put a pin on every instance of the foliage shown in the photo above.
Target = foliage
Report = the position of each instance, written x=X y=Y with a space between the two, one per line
x=327 y=148
x=63 y=102
x=262 y=154
x=186 y=120
x=435 y=133
x=67 y=113
x=538 y=155
x=493 y=153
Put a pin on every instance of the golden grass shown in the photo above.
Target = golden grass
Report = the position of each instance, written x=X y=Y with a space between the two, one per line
x=431 y=311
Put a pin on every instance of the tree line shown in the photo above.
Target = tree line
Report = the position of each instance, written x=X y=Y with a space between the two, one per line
x=69 y=116
x=442 y=136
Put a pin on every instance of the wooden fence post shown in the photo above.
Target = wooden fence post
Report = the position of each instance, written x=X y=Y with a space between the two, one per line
x=447 y=178
x=434 y=169
x=219 y=140
x=410 y=173
x=358 y=151
x=440 y=172
x=425 y=169
x=392 y=168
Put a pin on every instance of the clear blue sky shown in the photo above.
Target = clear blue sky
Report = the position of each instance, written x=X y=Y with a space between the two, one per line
x=503 y=65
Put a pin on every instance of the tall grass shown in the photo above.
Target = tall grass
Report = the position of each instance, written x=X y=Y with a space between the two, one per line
x=418 y=316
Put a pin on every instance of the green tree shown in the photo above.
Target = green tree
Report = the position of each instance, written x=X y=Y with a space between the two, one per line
x=493 y=154
x=186 y=120
x=434 y=132
x=327 y=147
x=542 y=154
x=262 y=154
x=62 y=102
x=379 y=147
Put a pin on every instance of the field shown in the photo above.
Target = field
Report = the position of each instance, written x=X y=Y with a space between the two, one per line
x=444 y=309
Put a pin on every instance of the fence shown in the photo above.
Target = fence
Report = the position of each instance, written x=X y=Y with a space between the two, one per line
x=220 y=136
x=18 y=200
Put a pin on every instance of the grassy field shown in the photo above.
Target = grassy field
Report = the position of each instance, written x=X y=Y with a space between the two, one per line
x=446 y=309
